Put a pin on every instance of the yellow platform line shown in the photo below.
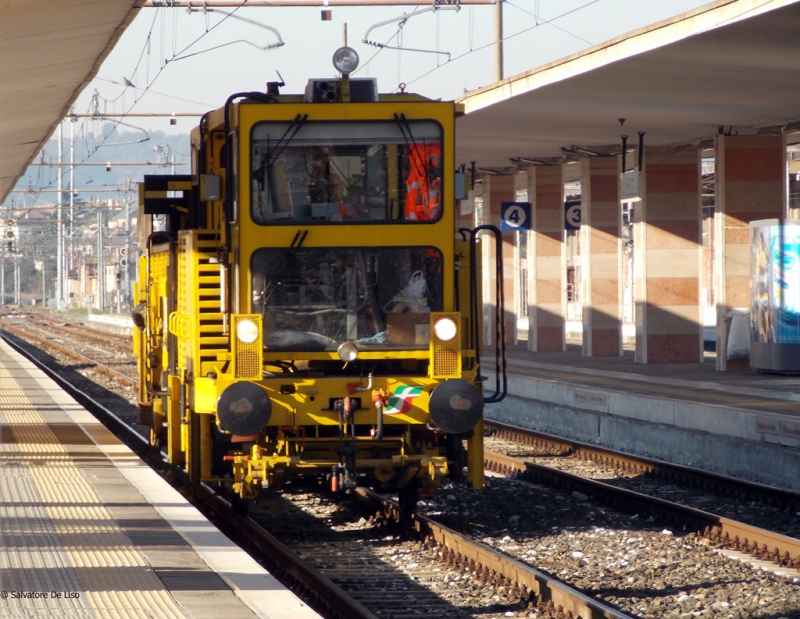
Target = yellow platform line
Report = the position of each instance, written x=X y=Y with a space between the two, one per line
x=116 y=580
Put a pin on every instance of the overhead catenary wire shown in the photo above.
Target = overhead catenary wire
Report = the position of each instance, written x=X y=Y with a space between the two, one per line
x=144 y=55
x=536 y=15
x=403 y=20
x=162 y=94
x=211 y=49
x=389 y=40
x=505 y=38
x=307 y=3
x=146 y=89
x=207 y=10
x=167 y=60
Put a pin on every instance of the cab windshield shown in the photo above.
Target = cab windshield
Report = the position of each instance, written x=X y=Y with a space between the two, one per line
x=349 y=172
x=313 y=299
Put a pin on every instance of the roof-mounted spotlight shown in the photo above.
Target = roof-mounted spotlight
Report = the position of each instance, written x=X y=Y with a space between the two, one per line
x=345 y=60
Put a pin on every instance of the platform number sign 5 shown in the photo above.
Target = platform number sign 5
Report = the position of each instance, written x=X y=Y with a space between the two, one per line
x=515 y=215
x=572 y=212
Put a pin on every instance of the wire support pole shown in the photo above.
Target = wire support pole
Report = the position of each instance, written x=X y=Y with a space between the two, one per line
x=100 y=263
x=71 y=234
x=498 y=37
x=59 y=226
x=127 y=257
x=16 y=280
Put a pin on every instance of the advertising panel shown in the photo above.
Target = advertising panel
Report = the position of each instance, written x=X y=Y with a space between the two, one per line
x=775 y=294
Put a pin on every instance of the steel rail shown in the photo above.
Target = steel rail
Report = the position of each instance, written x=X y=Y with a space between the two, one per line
x=284 y=564
x=722 y=531
x=731 y=534
x=111 y=373
x=94 y=334
x=97 y=335
x=640 y=464
x=551 y=594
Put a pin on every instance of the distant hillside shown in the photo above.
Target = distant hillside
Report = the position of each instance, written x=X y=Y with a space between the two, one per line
x=107 y=145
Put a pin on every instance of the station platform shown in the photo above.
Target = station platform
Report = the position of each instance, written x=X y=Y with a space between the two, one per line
x=742 y=423
x=89 y=530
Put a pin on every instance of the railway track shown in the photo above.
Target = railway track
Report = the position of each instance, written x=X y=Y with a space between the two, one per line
x=542 y=445
x=482 y=570
x=461 y=579
x=72 y=354
x=319 y=592
x=725 y=533
x=773 y=544
x=411 y=566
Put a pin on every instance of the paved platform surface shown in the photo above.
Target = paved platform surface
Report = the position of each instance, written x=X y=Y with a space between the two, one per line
x=695 y=382
x=744 y=424
x=88 y=530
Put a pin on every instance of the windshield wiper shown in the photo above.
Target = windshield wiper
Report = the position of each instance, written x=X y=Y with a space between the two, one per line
x=369 y=292
x=405 y=129
x=272 y=284
x=284 y=141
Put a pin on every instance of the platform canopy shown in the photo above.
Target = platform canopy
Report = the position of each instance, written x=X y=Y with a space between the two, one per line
x=730 y=66
x=49 y=51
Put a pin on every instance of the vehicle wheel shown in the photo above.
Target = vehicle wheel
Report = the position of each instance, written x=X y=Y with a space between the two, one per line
x=240 y=506
x=408 y=497
x=455 y=456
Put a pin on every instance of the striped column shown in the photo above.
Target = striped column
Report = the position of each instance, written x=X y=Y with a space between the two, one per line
x=750 y=185
x=546 y=259
x=601 y=257
x=667 y=255
x=496 y=190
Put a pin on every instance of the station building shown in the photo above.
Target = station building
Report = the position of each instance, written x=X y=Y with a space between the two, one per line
x=707 y=103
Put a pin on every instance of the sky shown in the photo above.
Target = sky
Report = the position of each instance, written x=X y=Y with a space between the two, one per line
x=172 y=60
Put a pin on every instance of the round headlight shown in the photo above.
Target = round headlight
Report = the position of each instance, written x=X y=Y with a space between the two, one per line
x=247 y=331
x=347 y=351
x=445 y=329
x=345 y=59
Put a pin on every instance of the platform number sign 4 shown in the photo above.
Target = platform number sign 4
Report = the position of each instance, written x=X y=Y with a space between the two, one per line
x=572 y=212
x=515 y=215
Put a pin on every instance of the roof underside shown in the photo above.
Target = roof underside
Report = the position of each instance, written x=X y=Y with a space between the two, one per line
x=49 y=51
x=733 y=63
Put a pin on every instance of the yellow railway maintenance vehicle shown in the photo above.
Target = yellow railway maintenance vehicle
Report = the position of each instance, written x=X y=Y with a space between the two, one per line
x=305 y=304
